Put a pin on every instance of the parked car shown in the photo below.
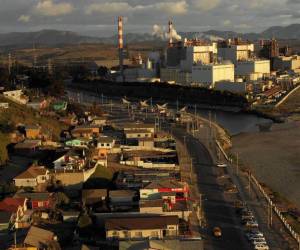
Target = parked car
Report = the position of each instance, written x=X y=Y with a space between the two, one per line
x=259 y=241
x=261 y=247
x=221 y=165
x=251 y=223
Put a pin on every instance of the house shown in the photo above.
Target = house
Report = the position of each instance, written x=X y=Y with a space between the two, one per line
x=70 y=120
x=37 y=200
x=6 y=220
x=33 y=131
x=32 y=177
x=72 y=160
x=139 y=126
x=4 y=105
x=16 y=206
x=60 y=106
x=164 y=244
x=105 y=142
x=121 y=196
x=165 y=206
x=38 y=104
x=99 y=121
x=93 y=196
x=16 y=96
x=27 y=147
x=146 y=143
x=168 y=189
x=86 y=131
x=132 y=228
x=40 y=238
x=139 y=179
x=78 y=142
x=137 y=133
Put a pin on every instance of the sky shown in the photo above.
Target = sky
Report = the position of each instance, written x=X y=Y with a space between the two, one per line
x=98 y=17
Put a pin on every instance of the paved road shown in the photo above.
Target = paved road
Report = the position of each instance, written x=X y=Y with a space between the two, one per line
x=217 y=210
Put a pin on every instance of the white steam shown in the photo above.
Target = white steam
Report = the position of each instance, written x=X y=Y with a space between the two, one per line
x=163 y=33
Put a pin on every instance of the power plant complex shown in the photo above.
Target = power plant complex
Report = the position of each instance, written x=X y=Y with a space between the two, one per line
x=224 y=64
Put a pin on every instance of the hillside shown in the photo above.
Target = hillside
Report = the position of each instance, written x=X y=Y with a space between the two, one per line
x=56 y=37
x=18 y=114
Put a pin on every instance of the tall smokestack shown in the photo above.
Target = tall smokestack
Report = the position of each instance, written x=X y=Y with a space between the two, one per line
x=170 y=33
x=120 y=44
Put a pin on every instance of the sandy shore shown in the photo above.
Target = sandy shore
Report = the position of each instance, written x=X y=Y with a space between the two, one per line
x=274 y=157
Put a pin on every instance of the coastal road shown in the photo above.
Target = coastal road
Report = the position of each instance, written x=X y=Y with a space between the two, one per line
x=218 y=211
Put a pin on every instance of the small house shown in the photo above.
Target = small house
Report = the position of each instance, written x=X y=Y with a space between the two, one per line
x=27 y=147
x=33 y=131
x=32 y=177
x=40 y=238
x=86 y=131
x=35 y=201
x=78 y=142
x=16 y=206
x=133 y=228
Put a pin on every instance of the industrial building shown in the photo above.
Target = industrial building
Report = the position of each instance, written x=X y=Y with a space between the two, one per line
x=256 y=66
x=235 y=50
x=183 y=54
x=287 y=63
x=175 y=75
x=208 y=75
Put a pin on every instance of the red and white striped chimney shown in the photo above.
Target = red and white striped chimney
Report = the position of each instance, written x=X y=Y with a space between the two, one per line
x=170 y=33
x=120 y=32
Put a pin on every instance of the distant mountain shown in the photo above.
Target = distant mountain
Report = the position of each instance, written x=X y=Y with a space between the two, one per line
x=289 y=32
x=44 y=37
x=55 y=37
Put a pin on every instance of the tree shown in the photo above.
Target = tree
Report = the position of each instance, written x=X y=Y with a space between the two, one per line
x=102 y=71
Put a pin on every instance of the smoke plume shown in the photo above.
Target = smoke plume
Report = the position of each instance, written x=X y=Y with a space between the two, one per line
x=162 y=33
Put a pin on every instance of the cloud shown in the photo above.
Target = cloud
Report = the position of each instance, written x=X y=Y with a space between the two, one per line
x=226 y=22
x=205 y=5
x=110 y=8
x=24 y=18
x=174 y=8
x=49 y=8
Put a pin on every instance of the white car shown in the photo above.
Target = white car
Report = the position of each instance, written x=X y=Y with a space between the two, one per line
x=251 y=223
x=261 y=247
x=221 y=165
x=259 y=241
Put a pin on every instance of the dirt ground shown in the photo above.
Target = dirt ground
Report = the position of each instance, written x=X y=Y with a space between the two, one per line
x=274 y=157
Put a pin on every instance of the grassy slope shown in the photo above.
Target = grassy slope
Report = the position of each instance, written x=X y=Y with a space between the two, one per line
x=21 y=114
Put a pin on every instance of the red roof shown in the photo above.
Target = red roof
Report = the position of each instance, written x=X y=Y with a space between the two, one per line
x=11 y=204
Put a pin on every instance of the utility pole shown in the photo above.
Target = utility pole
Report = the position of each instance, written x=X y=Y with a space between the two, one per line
x=249 y=182
x=9 y=64
x=177 y=105
x=191 y=171
x=200 y=205
x=237 y=163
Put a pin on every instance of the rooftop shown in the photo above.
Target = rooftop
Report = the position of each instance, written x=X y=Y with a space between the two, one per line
x=32 y=172
x=164 y=184
x=38 y=237
x=11 y=204
x=149 y=222
x=34 y=196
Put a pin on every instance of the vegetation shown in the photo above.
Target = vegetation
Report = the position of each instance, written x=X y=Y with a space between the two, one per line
x=4 y=141
x=101 y=178
x=164 y=92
